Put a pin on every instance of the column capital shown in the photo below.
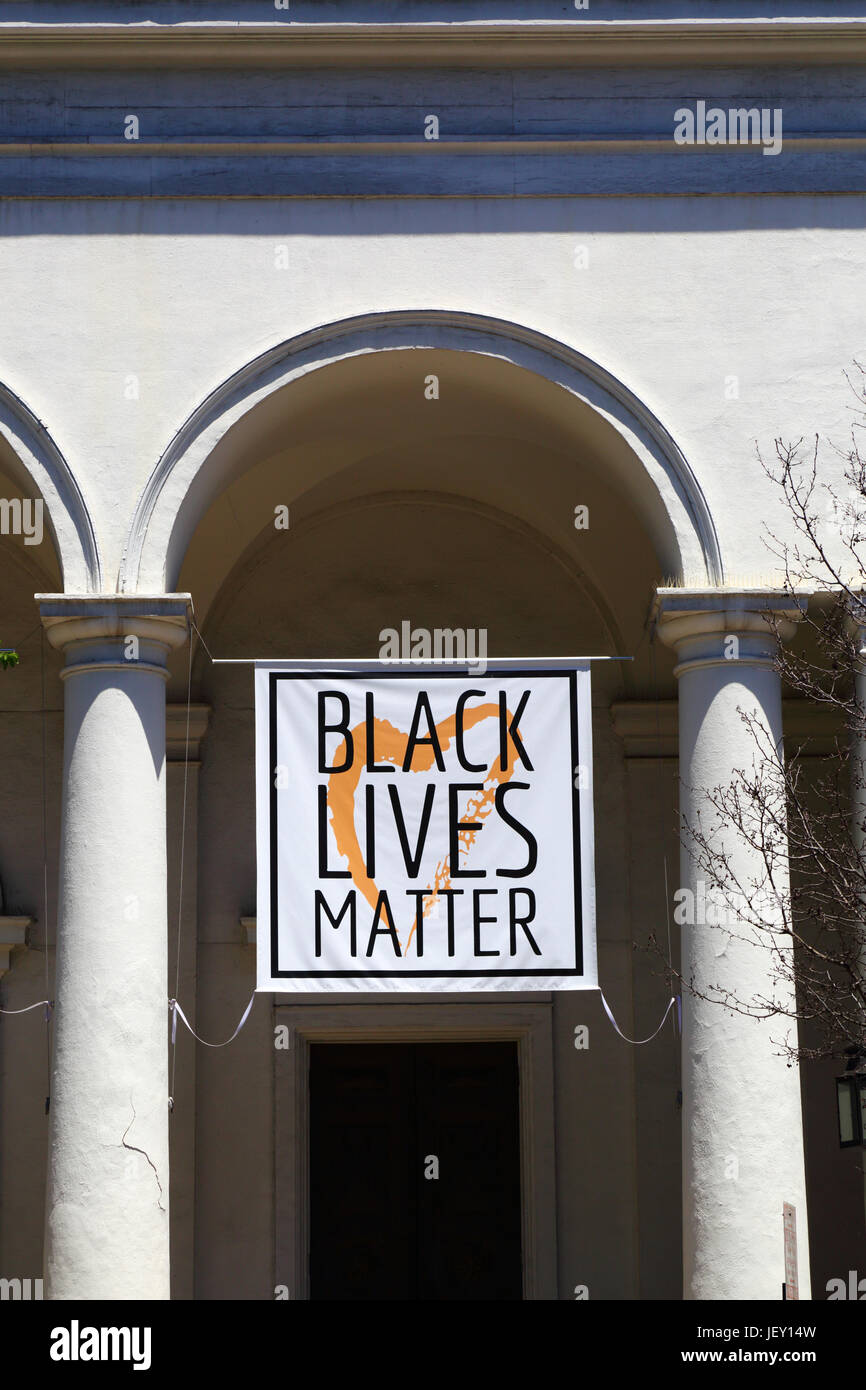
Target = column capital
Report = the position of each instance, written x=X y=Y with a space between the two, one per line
x=700 y=624
x=115 y=631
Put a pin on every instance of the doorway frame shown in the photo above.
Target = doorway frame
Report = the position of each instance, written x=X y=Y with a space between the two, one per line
x=530 y=1025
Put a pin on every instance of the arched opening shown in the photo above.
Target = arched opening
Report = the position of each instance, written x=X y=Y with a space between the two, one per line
x=45 y=539
x=35 y=470
x=536 y=387
x=439 y=485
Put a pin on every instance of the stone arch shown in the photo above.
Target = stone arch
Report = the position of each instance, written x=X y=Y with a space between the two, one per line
x=34 y=460
x=186 y=479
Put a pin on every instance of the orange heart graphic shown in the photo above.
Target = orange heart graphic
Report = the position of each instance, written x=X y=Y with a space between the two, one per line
x=390 y=747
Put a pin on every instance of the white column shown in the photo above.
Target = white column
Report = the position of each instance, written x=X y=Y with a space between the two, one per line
x=742 y=1121
x=107 y=1230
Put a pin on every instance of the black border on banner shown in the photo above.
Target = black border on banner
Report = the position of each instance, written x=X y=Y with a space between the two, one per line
x=576 y=971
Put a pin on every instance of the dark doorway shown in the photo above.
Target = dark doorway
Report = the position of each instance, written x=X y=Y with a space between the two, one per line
x=380 y=1114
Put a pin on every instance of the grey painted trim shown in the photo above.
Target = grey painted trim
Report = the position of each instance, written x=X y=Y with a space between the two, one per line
x=464 y=324
x=812 y=193
x=523 y=43
x=124 y=607
x=455 y=172
x=430 y=149
x=25 y=434
x=670 y=599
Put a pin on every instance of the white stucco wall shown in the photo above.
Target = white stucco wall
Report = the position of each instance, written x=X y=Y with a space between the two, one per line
x=677 y=297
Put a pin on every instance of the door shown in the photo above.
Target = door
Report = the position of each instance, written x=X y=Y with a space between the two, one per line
x=414 y=1171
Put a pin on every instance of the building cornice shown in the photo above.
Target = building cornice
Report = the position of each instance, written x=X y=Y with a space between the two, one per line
x=580 y=42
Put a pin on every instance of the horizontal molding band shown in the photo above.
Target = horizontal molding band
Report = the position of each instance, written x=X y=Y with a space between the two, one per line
x=14 y=933
x=41 y=197
x=185 y=730
x=650 y=728
x=326 y=149
x=580 y=42
x=808 y=173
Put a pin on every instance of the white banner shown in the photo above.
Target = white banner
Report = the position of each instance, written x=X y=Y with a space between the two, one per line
x=424 y=829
